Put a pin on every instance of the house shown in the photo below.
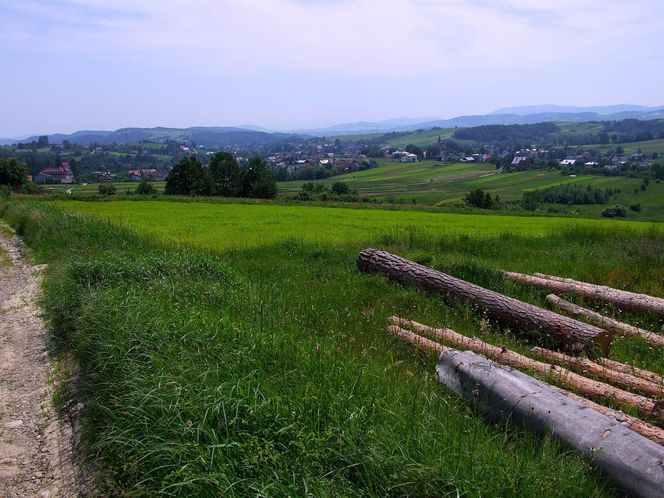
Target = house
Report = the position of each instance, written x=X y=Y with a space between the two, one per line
x=61 y=174
x=467 y=159
x=518 y=160
x=408 y=158
x=568 y=162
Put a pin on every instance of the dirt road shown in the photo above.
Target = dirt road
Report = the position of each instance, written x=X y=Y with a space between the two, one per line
x=35 y=446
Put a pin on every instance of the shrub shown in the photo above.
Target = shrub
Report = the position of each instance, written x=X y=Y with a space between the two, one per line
x=145 y=188
x=478 y=198
x=5 y=191
x=635 y=207
x=107 y=189
x=616 y=211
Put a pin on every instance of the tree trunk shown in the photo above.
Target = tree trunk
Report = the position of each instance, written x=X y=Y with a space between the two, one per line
x=629 y=369
x=568 y=334
x=633 y=461
x=622 y=299
x=645 y=429
x=587 y=367
x=558 y=375
x=555 y=302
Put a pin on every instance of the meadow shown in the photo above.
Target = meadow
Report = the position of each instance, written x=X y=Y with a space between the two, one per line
x=236 y=350
x=431 y=182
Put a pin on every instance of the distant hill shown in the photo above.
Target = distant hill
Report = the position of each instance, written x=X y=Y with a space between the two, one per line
x=507 y=116
x=207 y=136
x=566 y=109
x=220 y=136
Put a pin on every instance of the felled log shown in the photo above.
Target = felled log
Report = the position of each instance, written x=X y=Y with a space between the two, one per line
x=622 y=299
x=629 y=369
x=558 y=375
x=633 y=461
x=555 y=302
x=588 y=367
x=645 y=429
x=569 y=334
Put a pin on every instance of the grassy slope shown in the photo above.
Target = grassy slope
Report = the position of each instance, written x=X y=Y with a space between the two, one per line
x=262 y=365
x=431 y=182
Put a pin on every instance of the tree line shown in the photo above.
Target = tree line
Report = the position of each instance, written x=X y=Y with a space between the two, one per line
x=223 y=177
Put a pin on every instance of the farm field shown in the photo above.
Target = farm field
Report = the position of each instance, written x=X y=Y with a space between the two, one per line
x=430 y=182
x=237 y=349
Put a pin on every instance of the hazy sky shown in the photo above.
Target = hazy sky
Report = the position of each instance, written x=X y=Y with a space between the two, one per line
x=104 y=64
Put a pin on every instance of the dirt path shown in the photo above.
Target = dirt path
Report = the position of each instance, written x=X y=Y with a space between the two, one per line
x=35 y=446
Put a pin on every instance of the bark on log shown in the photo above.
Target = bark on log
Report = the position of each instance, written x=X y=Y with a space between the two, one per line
x=645 y=429
x=623 y=299
x=588 y=367
x=569 y=334
x=558 y=375
x=555 y=302
x=629 y=369
x=633 y=461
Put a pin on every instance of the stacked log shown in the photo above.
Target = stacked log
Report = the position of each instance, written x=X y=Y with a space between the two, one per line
x=647 y=430
x=620 y=298
x=633 y=461
x=569 y=334
x=591 y=368
x=558 y=375
x=555 y=302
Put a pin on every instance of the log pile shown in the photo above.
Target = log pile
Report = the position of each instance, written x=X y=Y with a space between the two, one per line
x=625 y=300
x=568 y=334
x=630 y=450
x=555 y=302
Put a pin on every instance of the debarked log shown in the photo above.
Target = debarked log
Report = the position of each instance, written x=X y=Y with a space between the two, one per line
x=647 y=430
x=555 y=302
x=622 y=299
x=558 y=375
x=633 y=461
x=568 y=334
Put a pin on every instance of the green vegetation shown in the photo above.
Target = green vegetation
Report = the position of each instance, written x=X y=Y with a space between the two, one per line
x=224 y=177
x=479 y=199
x=13 y=173
x=567 y=194
x=235 y=349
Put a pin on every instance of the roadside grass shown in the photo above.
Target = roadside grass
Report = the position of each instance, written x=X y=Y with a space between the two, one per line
x=213 y=365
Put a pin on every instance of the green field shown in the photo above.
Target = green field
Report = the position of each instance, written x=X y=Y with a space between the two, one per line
x=430 y=182
x=239 y=226
x=236 y=350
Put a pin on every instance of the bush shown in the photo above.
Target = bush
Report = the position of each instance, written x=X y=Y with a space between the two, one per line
x=616 y=211
x=478 y=198
x=5 y=191
x=146 y=188
x=107 y=189
x=635 y=207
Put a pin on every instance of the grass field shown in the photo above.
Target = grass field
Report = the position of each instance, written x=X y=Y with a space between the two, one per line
x=235 y=350
x=430 y=182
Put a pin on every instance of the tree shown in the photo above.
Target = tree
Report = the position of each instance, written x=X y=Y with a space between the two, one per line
x=225 y=172
x=13 y=172
x=106 y=189
x=145 y=188
x=258 y=181
x=189 y=177
x=340 y=188
x=478 y=198
x=42 y=141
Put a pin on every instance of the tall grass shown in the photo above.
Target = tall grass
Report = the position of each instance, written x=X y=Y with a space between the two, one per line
x=266 y=370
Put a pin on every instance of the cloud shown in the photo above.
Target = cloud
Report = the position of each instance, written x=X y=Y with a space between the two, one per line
x=351 y=37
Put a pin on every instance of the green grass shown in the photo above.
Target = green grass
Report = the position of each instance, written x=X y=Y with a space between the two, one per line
x=239 y=226
x=235 y=349
x=93 y=188
x=430 y=182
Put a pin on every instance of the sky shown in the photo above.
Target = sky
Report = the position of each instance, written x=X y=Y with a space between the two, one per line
x=288 y=64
